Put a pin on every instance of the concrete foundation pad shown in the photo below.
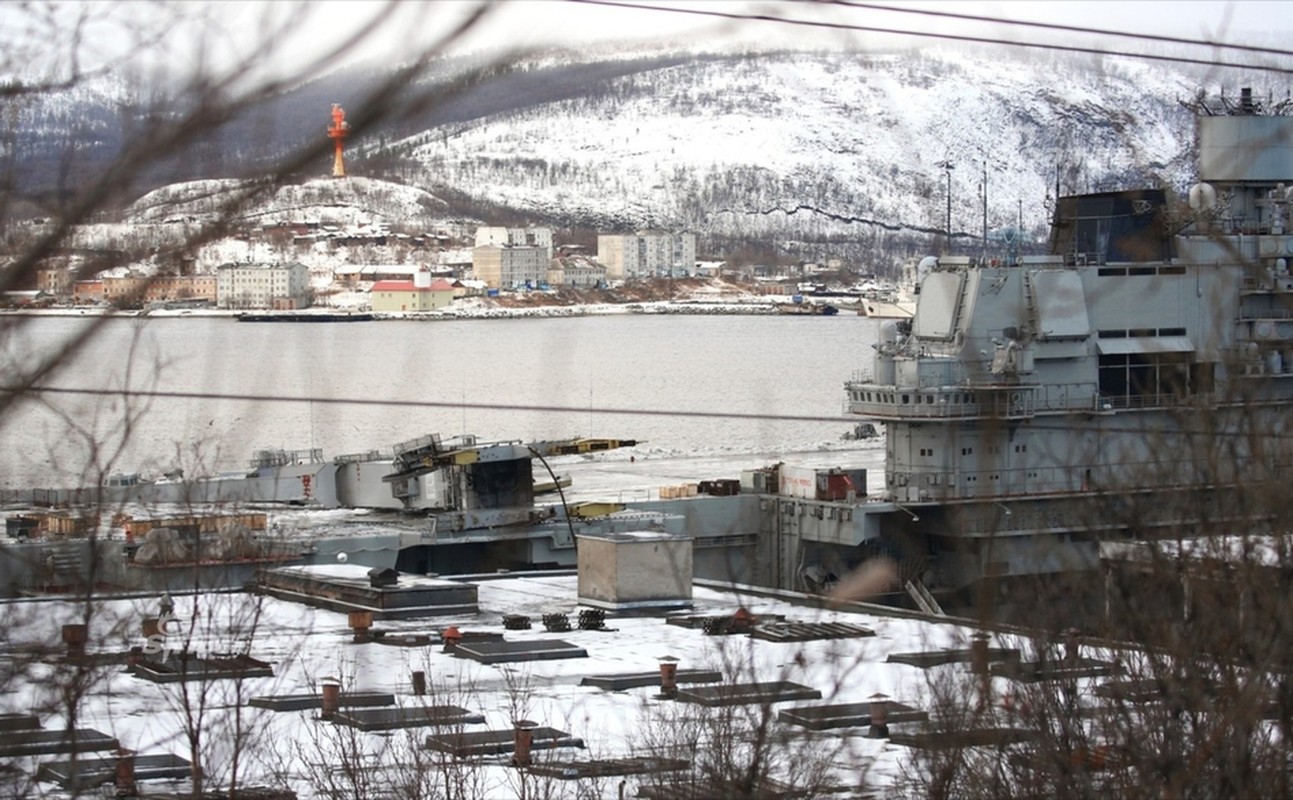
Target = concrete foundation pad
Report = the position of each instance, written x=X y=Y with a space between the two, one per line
x=347 y=587
x=90 y=772
x=506 y=652
x=19 y=722
x=847 y=715
x=777 y=631
x=302 y=702
x=389 y=719
x=937 y=658
x=44 y=743
x=202 y=669
x=636 y=680
x=1035 y=672
x=640 y=765
x=738 y=694
x=493 y=743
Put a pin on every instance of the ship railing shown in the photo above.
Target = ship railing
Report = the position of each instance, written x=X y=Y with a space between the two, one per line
x=358 y=458
x=1084 y=259
x=994 y=400
x=1140 y=401
x=1008 y=401
x=262 y=459
x=1079 y=480
x=1265 y=313
x=431 y=440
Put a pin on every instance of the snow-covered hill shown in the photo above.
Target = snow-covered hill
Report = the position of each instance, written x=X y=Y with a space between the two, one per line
x=351 y=201
x=822 y=145
x=820 y=154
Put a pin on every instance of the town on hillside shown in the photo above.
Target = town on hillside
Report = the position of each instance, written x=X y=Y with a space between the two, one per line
x=331 y=267
x=342 y=244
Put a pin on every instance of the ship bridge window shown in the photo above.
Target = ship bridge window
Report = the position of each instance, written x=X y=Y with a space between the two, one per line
x=1145 y=345
x=1141 y=376
x=1146 y=333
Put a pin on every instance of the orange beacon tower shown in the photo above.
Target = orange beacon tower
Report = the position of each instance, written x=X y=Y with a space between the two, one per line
x=338 y=131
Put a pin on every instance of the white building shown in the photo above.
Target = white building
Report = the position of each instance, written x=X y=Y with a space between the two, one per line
x=515 y=237
x=647 y=254
x=420 y=294
x=510 y=267
x=278 y=286
x=576 y=271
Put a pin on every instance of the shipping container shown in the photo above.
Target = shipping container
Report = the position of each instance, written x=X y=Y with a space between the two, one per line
x=797 y=482
x=822 y=484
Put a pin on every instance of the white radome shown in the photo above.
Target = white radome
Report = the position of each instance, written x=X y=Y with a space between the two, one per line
x=342 y=557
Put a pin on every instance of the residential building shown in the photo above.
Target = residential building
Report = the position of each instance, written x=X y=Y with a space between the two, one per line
x=510 y=267
x=515 y=237
x=469 y=287
x=135 y=289
x=456 y=260
x=710 y=269
x=353 y=274
x=166 y=288
x=647 y=254
x=420 y=294
x=125 y=290
x=279 y=286
x=55 y=280
x=87 y=292
x=576 y=271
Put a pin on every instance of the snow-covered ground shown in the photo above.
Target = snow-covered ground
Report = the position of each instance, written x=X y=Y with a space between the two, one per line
x=306 y=646
x=712 y=297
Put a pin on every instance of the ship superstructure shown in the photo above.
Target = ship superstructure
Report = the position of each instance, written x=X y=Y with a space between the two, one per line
x=1147 y=361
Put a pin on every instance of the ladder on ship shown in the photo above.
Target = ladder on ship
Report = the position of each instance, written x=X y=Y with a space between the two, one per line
x=924 y=599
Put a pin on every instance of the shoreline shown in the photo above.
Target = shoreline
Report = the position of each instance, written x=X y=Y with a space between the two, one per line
x=478 y=310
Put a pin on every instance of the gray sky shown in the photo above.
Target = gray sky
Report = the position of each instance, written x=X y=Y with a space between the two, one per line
x=195 y=36
x=549 y=23
x=543 y=23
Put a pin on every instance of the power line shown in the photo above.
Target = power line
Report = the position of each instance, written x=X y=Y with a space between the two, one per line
x=1147 y=429
x=445 y=404
x=1051 y=26
x=965 y=38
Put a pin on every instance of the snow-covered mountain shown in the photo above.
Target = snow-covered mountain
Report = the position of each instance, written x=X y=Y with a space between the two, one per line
x=822 y=153
x=818 y=146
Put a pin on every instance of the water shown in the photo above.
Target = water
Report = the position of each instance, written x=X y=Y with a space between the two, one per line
x=670 y=365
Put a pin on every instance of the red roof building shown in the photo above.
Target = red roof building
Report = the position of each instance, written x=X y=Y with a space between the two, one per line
x=419 y=294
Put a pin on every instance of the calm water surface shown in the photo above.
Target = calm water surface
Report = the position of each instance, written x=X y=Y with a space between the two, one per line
x=673 y=364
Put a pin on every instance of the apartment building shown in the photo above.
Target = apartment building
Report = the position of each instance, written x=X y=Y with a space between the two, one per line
x=278 y=286
x=647 y=254
x=510 y=267
x=515 y=237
